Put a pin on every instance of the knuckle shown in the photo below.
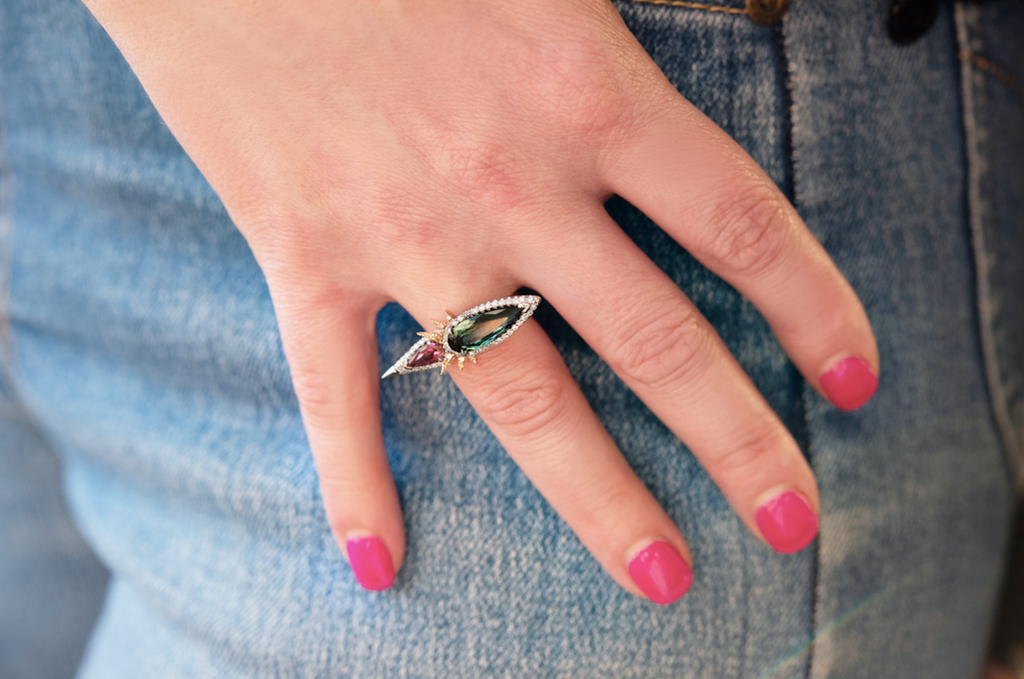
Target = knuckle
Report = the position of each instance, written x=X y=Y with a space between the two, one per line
x=273 y=238
x=461 y=162
x=661 y=349
x=526 y=408
x=566 y=87
x=484 y=171
x=403 y=220
x=757 y=447
x=750 y=233
x=604 y=506
x=316 y=392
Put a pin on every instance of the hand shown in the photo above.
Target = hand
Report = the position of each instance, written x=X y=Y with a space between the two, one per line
x=442 y=154
x=994 y=670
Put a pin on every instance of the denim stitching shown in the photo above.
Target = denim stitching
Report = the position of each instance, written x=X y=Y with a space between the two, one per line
x=693 y=5
x=1001 y=74
x=981 y=218
x=807 y=395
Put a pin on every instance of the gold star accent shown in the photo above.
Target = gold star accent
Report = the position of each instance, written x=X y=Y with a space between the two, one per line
x=435 y=337
x=438 y=337
x=447 y=359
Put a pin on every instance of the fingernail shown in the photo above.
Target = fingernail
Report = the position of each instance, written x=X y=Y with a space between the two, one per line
x=849 y=384
x=660 y=573
x=787 y=522
x=371 y=562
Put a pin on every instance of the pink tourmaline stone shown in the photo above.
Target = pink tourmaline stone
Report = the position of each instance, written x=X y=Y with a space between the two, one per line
x=429 y=354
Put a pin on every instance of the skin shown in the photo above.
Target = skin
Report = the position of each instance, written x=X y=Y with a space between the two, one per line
x=996 y=671
x=441 y=154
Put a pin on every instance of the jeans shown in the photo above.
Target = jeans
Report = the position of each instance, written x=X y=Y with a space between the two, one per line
x=141 y=339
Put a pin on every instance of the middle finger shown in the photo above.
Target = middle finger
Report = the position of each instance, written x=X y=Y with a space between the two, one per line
x=656 y=340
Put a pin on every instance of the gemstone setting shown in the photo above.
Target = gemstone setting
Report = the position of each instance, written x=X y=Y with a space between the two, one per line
x=428 y=355
x=465 y=336
x=474 y=334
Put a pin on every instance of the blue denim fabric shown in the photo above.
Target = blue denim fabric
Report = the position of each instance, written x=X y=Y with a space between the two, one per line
x=144 y=343
x=995 y=144
x=51 y=585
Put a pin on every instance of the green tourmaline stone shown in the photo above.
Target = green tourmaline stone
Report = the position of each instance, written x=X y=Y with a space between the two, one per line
x=476 y=332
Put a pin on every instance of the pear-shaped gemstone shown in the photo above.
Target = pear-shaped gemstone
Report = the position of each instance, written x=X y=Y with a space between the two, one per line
x=429 y=354
x=476 y=332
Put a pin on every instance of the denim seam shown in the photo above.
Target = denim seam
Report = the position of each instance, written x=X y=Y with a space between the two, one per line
x=807 y=394
x=980 y=218
x=808 y=397
x=6 y=254
x=1000 y=73
x=693 y=5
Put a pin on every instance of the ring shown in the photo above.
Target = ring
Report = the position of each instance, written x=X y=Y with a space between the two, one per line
x=464 y=336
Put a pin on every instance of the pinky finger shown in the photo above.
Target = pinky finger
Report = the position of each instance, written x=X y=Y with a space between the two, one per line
x=332 y=353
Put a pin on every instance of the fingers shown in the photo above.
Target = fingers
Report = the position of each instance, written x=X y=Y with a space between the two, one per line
x=332 y=353
x=697 y=184
x=994 y=670
x=525 y=394
x=668 y=354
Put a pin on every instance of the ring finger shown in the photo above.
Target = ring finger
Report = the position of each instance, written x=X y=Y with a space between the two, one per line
x=525 y=394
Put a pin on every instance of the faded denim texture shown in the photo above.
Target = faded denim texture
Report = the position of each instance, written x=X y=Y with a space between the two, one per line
x=143 y=343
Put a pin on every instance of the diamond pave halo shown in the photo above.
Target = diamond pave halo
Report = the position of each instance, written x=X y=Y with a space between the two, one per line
x=464 y=336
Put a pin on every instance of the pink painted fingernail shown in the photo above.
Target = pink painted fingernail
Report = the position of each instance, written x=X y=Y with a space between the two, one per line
x=787 y=522
x=371 y=562
x=849 y=384
x=660 y=572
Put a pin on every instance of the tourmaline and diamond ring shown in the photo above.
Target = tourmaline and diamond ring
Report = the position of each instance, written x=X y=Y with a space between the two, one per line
x=464 y=336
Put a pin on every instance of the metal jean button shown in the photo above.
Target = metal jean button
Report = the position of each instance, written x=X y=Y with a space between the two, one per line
x=910 y=19
x=767 y=12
